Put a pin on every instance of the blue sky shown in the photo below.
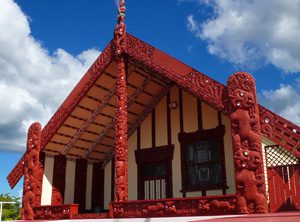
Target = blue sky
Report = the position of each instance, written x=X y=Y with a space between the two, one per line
x=46 y=46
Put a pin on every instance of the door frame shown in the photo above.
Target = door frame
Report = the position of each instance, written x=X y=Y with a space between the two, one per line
x=155 y=155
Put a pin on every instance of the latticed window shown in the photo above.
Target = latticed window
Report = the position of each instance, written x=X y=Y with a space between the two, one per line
x=202 y=159
x=203 y=163
x=277 y=156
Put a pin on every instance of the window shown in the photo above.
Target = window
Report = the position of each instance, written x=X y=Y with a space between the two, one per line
x=154 y=167
x=202 y=156
x=203 y=163
x=154 y=171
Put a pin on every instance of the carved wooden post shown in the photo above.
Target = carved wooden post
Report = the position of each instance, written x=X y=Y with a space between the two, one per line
x=121 y=181
x=33 y=173
x=246 y=139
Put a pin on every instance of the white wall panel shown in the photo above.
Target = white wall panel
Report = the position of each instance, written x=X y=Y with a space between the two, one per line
x=47 y=180
x=70 y=181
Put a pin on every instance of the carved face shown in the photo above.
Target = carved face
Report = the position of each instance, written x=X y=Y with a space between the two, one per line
x=255 y=160
x=119 y=31
x=33 y=142
x=242 y=99
x=120 y=168
x=241 y=158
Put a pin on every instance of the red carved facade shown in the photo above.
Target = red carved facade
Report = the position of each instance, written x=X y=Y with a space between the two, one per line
x=121 y=181
x=237 y=100
x=246 y=139
x=274 y=127
x=49 y=212
x=175 y=207
x=33 y=173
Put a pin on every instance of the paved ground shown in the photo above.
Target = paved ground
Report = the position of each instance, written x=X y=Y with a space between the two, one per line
x=275 y=217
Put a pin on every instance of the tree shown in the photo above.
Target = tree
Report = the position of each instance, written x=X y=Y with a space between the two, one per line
x=10 y=211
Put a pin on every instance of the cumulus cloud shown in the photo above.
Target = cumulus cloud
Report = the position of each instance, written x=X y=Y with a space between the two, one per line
x=33 y=82
x=250 y=33
x=285 y=101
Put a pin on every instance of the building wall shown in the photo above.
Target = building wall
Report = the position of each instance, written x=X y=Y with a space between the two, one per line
x=47 y=180
x=69 y=191
x=70 y=181
x=190 y=124
x=107 y=185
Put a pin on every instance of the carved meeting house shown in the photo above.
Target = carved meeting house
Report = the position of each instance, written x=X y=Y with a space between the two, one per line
x=145 y=135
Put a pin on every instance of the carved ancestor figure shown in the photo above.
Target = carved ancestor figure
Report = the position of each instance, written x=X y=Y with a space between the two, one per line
x=120 y=30
x=33 y=173
x=121 y=188
x=246 y=138
x=247 y=184
x=244 y=124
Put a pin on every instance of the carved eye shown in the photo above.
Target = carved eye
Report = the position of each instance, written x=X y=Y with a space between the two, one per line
x=241 y=94
x=245 y=153
x=267 y=120
x=238 y=103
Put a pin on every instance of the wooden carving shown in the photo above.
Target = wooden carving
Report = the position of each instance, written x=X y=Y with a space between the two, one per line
x=120 y=30
x=121 y=184
x=175 y=207
x=52 y=212
x=121 y=134
x=33 y=173
x=246 y=139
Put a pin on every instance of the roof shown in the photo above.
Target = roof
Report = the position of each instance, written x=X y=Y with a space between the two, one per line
x=89 y=109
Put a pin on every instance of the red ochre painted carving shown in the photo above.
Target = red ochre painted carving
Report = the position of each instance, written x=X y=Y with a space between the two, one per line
x=245 y=125
x=274 y=127
x=33 y=173
x=120 y=30
x=121 y=182
x=121 y=188
x=213 y=205
x=67 y=211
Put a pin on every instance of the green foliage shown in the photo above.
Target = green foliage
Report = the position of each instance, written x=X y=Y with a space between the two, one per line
x=10 y=211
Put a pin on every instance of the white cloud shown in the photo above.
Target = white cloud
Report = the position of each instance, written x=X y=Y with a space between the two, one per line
x=252 y=32
x=285 y=101
x=33 y=82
